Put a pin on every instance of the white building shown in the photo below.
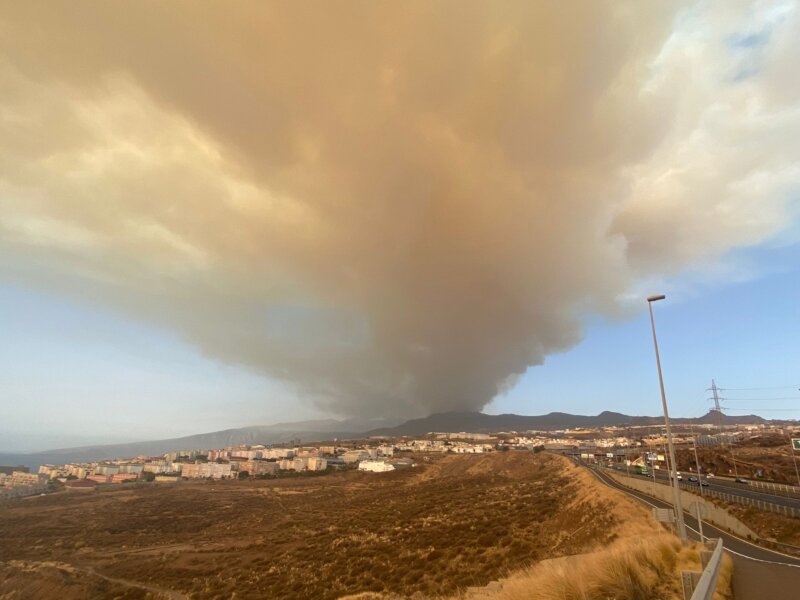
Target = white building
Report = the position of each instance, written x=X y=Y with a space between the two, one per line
x=106 y=469
x=20 y=478
x=352 y=456
x=375 y=466
x=206 y=470
x=317 y=464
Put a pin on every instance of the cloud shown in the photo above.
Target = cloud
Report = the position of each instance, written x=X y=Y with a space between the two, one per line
x=396 y=208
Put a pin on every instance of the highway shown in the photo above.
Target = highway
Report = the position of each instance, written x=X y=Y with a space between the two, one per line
x=723 y=485
x=758 y=572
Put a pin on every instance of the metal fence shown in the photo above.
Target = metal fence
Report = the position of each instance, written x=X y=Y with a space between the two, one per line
x=701 y=586
x=780 y=509
x=790 y=491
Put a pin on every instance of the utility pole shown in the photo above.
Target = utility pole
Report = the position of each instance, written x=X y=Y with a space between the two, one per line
x=718 y=412
x=696 y=461
x=699 y=482
x=713 y=389
x=794 y=460
x=676 y=492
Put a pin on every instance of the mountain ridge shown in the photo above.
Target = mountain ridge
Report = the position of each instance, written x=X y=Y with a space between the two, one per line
x=327 y=429
x=475 y=422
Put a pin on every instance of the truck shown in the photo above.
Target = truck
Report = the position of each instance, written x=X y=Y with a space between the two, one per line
x=642 y=470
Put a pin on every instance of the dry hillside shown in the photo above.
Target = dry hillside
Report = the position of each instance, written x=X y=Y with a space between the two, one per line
x=451 y=523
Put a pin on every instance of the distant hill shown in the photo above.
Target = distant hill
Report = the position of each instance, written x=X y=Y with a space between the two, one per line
x=454 y=422
x=326 y=429
x=260 y=434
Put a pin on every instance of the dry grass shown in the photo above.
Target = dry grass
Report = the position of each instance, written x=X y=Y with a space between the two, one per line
x=630 y=569
x=768 y=525
x=421 y=533
x=724 y=589
x=771 y=456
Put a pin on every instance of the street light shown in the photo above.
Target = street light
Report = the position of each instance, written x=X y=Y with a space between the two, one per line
x=676 y=492
x=699 y=483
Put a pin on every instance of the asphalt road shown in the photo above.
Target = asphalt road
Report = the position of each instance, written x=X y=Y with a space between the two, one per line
x=729 y=487
x=758 y=573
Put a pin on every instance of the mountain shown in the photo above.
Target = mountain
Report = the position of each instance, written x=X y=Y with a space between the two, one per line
x=326 y=429
x=260 y=434
x=454 y=422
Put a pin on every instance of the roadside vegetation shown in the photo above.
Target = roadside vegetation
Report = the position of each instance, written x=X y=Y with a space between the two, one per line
x=432 y=531
x=644 y=568
x=768 y=525
x=767 y=458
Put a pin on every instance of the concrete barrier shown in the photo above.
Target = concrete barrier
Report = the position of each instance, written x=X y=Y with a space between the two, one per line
x=714 y=514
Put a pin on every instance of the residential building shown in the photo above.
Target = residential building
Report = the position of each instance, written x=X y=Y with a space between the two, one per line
x=352 y=456
x=375 y=466
x=317 y=463
x=206 y=470
x=259 y=467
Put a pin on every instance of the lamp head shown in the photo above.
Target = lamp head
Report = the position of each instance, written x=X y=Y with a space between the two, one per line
x=656 y=298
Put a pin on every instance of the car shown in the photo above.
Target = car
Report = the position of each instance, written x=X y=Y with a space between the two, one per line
x=693 y=479
x=741 y=480
x=703 y=482
x=680 y=477
x=710 y=476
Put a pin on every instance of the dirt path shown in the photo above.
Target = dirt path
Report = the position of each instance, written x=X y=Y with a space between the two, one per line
x=172 y=595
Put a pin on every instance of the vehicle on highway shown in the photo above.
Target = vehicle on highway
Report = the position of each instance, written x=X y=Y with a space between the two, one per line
x=703 y=482
x=741 y=480
x=692 y=479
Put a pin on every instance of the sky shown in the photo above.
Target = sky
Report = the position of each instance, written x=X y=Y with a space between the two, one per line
x=288 y=211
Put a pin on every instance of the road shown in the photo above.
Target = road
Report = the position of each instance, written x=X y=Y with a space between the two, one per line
x=729 y=487
x=758 y=573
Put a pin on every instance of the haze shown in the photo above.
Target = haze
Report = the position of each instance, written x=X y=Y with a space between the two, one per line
x=383 y=209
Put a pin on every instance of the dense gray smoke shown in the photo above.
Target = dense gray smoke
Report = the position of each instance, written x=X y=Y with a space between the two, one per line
x=396 y=207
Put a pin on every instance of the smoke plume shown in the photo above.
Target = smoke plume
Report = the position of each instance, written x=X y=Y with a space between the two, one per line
x=396 y=207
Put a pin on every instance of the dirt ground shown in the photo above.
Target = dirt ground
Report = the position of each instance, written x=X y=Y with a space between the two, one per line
x=771 y=456
x=450 y=523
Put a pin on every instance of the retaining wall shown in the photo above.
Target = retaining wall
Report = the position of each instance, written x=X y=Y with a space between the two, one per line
x=714 y=514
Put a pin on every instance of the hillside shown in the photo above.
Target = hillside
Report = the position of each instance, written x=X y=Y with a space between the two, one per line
x=430 y=530
x=314 y=431
x=454 y=422
x=259 y=434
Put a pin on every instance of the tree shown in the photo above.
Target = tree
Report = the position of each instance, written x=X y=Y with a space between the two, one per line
x=244 y=475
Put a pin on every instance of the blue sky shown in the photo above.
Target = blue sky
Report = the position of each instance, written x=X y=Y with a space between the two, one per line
x=744 y=335
x=77 y=374
x=392 y=211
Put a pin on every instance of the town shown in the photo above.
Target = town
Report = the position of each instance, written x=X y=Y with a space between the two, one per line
x=632 y=446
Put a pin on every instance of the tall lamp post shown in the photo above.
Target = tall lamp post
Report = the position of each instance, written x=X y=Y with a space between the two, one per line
x=676 y=492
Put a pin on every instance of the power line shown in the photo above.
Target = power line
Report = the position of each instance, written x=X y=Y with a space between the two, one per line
x=759 y=399
x=780 y=387
x=770 y=409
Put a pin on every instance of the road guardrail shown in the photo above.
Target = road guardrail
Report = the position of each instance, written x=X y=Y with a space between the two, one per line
x=780 y=509
x=701 y=586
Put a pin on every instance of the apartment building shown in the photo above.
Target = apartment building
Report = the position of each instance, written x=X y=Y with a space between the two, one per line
x=206 y=470
x=317 y=463
x=259 y=467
